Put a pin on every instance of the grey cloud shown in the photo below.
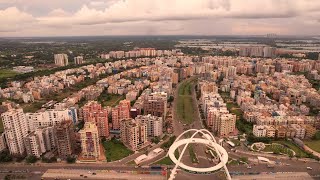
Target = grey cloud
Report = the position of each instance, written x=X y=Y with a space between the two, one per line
x=82 y=14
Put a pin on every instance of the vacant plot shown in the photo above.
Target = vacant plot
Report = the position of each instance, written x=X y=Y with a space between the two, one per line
x=6 y=73
x=167 y=160
x=278 y=149
x=110 y=99
x=314 y=145
x=115 y=150
x=295 y=148
x=33 y=107
x=185 y=104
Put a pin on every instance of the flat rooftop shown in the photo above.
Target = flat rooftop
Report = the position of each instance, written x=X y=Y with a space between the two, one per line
x=103 y=174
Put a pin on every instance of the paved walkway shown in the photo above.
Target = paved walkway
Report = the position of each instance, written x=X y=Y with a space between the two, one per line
x=315 y=153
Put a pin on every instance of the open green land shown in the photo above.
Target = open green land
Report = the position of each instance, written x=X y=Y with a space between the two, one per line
x=299 y=152
x=167 y=160
x=192 y=154
x=166 y=145
x=115 y=150
x=278 y=149
x=7 y=73
x=313 y=144
x=33 y=107
x=110 y=99
x=185 y=104
x=236 y=142
x=233 y=162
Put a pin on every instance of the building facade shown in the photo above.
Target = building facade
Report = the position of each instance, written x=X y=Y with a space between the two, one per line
x=226 y=124
x=65 y=139
x=93 y=112
x=61 y=59
x=90 y=143
x=78 y=60
x=133 y=133
x=120 y=112
x=154 y=124
x=16 y=129
x=156 y=104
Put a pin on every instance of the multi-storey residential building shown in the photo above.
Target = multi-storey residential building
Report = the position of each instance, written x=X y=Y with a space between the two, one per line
x=61 y=59
x=93 y=112
x=269 y=52
x=271 y=131
x=133 y=133
x=116 y=54
x=65 y=138
x=16 y=129
x=48 y=137
x=90 y=143
x=226 y=124
x=115 y=118
x=300 y=131
x=156 y=104
x=3 y=144
x=50 y=117
x=259 y=131
x=154 y=124
x=40 y=141
x=281 y=132
x=35 y=144
x=120 y=112
x=310 y=131
x=78 y=60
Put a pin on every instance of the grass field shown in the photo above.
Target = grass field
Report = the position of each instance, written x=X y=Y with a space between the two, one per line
x=314 y=145
x=110 y=99
x=115 y=150
x=295 y=148
x=6 y=73
x=167 y=160
x=277 y=149
x=192 y=154
x=33 y=107
x=233 y=162
x=185 y=107
x=236 y=142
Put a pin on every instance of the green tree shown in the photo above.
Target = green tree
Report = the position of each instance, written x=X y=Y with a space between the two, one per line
x=155 y=140
x=31 y=159
x=71 y=159
x=5 y=156
x=171 y=98
x=316 y=136
x=244 y=159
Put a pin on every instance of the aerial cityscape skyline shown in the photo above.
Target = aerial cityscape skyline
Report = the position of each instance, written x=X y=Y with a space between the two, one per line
x=160 y=89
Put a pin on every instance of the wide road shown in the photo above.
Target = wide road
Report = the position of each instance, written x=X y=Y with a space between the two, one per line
x=35 y=171
x=179 y=126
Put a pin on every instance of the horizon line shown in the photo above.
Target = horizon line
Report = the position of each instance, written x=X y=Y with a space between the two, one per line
x=189 y=35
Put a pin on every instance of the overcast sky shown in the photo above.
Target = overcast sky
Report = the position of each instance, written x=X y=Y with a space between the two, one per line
x=158 y=17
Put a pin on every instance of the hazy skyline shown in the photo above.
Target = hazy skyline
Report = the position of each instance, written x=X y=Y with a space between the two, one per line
x=158 y=17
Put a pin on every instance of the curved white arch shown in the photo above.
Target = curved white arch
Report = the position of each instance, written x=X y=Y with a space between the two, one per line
x=210 y=141
x=201 y=141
